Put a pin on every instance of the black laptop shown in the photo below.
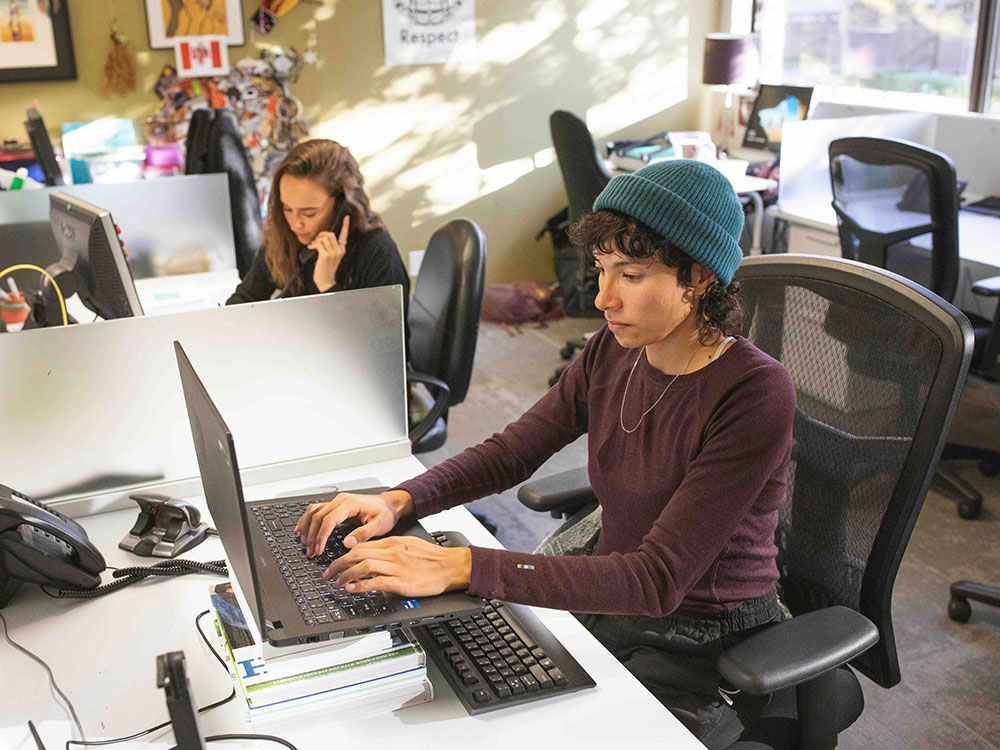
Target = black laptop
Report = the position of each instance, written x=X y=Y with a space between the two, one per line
x=284 y=589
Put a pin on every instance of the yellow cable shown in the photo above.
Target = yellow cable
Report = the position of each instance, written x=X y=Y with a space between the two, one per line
x=30 y=267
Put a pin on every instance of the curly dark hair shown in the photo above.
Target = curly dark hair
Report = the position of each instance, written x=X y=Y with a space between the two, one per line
x=607 y=231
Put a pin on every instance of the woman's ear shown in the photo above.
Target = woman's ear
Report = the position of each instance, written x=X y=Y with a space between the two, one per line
x=701 y=278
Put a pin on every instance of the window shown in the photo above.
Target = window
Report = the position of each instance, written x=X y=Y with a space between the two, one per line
x=910 y=53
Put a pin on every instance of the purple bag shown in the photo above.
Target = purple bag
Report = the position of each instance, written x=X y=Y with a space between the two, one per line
x=519 y=303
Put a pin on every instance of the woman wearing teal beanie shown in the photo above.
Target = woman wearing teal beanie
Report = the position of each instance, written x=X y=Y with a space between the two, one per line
x=689 y=435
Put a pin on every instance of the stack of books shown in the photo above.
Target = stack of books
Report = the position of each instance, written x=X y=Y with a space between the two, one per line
x=353 y=677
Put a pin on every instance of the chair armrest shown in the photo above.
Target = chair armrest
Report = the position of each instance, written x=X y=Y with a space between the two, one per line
x=560 y=494
x=987 y=287
x=797 y=650
x=440 y=391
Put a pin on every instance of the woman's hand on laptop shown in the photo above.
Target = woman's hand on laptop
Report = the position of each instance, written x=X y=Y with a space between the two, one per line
x=403 y=565
x=378 y=514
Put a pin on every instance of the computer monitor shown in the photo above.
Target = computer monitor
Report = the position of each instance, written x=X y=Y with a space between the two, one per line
x=42 y=147
x=773 y=107
x=93 y=263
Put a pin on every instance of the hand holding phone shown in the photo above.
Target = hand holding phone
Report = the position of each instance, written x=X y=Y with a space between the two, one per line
x=331 y=247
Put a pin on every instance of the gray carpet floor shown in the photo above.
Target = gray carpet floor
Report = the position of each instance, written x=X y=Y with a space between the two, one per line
x=949 y=696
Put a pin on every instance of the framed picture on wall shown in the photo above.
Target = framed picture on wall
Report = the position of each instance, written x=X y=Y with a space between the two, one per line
x=168 y=19
x=35 y=42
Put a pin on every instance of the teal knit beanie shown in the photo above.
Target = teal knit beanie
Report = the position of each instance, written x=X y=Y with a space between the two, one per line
x=690 y=203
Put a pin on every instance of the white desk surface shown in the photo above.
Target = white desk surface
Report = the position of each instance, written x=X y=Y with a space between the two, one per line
x=103 y=653
x=163 y=295
x=742 y=184
x=978 y=234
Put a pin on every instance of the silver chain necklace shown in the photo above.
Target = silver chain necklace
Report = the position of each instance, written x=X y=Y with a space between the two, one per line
x=621 y=411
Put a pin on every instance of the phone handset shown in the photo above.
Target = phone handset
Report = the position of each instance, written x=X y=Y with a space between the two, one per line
x=40 y=545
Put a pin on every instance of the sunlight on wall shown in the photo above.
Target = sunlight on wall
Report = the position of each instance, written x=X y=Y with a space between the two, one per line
x=471 y=138
x=512 y=41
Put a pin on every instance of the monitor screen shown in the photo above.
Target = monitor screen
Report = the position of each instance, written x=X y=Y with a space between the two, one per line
x=42 y=147
x=773 y=107
x=93 y=259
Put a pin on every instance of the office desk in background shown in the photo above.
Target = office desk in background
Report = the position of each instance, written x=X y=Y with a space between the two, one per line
x=103 y=654
x=743 y=184
x=811 y=227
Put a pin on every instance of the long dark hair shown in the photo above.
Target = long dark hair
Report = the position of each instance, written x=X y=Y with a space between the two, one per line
x=720 y=309
x=331 y=166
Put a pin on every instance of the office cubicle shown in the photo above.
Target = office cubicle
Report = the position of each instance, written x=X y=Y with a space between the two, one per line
x=171 y=225
x=307 y=384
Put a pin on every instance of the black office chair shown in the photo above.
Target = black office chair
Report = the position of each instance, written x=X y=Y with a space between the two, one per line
x=444 y=325
x=888 y=194
x=584 y=176
x=865 y=442
x=214 y=144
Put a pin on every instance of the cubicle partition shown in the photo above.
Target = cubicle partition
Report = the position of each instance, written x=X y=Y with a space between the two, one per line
x=171 y=225
x=90 y=413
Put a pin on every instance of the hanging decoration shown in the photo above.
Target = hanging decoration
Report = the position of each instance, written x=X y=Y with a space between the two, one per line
x=266 y=16
x=257 y=91
x=120 y=67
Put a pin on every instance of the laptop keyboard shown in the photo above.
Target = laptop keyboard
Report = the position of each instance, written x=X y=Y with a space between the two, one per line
x=502 y=657
x=319 y=601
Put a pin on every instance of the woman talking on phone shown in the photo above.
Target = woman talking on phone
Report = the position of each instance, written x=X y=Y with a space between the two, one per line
x=320 y=234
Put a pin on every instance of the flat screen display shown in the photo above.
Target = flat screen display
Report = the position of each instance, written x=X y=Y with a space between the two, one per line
x=774 y=106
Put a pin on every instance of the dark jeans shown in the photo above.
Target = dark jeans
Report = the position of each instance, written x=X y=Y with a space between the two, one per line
x=674 y=657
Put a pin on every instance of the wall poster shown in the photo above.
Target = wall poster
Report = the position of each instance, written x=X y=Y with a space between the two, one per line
x=417 y=32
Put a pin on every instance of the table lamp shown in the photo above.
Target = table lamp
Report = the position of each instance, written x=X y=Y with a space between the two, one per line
x=730 y=60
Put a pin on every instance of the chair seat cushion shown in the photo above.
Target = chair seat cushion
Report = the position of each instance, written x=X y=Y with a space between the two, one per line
x=777 y=727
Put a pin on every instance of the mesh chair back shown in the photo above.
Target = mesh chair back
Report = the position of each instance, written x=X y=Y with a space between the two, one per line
x=583 y=170
x=866 y=439
x=444 y=311
x=897 y=208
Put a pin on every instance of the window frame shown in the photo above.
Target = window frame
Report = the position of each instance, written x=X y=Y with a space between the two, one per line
x=985 y=55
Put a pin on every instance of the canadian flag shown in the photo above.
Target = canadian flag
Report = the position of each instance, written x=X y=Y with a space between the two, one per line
x=199 y=56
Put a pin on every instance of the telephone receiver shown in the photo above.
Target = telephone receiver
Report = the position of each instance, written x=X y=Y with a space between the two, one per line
x=308 y=255
x=38 y=544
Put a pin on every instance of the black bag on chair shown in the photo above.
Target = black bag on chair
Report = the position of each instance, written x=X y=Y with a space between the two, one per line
x=574 y=271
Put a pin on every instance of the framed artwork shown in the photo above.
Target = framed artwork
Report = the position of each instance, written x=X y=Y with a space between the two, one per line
x=35 y=42
x=166 y=20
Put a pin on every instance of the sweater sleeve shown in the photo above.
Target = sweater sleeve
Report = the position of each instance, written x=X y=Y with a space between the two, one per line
x=511 y=456
x=746 y=446
x=257 y=285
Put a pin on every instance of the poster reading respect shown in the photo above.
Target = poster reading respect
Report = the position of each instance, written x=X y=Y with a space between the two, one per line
x=428 y=31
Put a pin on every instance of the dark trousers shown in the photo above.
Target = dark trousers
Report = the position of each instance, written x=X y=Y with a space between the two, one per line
x=674 y=657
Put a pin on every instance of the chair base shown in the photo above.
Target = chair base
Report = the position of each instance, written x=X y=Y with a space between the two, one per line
x=962 y=591
x=970 y=500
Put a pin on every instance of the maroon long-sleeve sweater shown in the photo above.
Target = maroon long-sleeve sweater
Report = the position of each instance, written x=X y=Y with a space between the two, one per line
x=689 y=500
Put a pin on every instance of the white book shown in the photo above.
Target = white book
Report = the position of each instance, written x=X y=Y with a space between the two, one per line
x=255 y=662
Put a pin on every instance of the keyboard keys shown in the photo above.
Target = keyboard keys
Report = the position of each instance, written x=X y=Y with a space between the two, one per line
x=495 y=654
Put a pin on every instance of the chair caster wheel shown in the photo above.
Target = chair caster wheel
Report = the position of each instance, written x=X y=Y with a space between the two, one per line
x=959 y=610
x=553 y=380
x=969 y=511
x=567 y=351
x=989 y=468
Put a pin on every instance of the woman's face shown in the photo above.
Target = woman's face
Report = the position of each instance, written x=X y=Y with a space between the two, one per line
x=643 y=301
x=306 y=206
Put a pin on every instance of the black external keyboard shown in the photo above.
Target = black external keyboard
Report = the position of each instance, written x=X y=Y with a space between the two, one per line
x=318 y=600
x=502 y=657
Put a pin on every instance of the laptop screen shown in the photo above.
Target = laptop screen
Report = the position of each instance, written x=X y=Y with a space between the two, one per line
x=773 y=107
x=216 y=452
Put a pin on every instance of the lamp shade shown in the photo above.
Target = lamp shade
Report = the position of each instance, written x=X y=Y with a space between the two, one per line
x=730 y=60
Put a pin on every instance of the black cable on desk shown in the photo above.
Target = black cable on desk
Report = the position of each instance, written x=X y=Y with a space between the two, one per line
x=197 y=624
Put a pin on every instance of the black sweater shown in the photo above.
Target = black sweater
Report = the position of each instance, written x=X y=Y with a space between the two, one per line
x=372 y=256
